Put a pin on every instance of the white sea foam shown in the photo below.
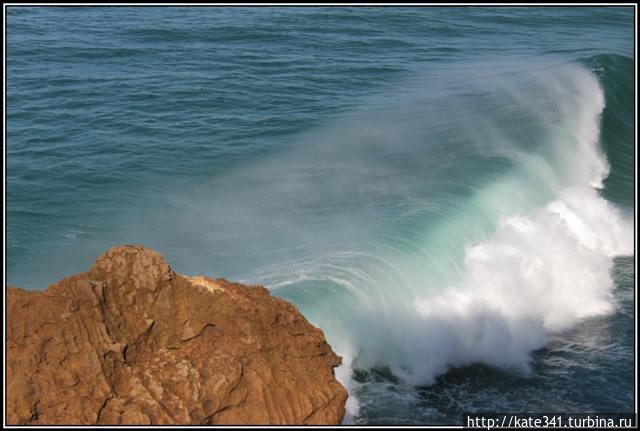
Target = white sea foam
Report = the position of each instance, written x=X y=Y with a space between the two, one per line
x=538 y=272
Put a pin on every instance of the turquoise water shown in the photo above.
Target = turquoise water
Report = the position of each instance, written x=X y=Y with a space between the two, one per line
x=447 y=192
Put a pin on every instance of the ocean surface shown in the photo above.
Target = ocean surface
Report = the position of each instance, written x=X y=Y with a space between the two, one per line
x=447 y=192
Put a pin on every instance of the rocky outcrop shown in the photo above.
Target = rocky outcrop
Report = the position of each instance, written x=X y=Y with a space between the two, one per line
x=132 y=342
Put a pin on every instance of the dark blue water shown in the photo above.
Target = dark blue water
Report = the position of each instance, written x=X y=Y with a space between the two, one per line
x=429 y=185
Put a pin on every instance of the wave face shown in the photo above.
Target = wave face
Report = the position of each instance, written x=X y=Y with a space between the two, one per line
x=497 y=239
x=449 y=196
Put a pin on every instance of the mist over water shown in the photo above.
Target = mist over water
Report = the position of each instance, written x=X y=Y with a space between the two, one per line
x=457 y=227
x=410 y=263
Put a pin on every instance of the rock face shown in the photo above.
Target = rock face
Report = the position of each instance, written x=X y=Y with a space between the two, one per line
x=132 y=342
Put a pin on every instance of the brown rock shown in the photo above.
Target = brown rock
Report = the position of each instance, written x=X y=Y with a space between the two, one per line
x=132 y=342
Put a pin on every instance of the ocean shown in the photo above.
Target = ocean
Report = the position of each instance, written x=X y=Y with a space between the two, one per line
x=447 y=192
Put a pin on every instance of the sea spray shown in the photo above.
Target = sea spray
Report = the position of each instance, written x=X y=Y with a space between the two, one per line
x=481 y=276
x=539 y=273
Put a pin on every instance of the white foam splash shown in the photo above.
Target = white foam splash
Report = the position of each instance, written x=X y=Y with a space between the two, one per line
x=539 y=273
